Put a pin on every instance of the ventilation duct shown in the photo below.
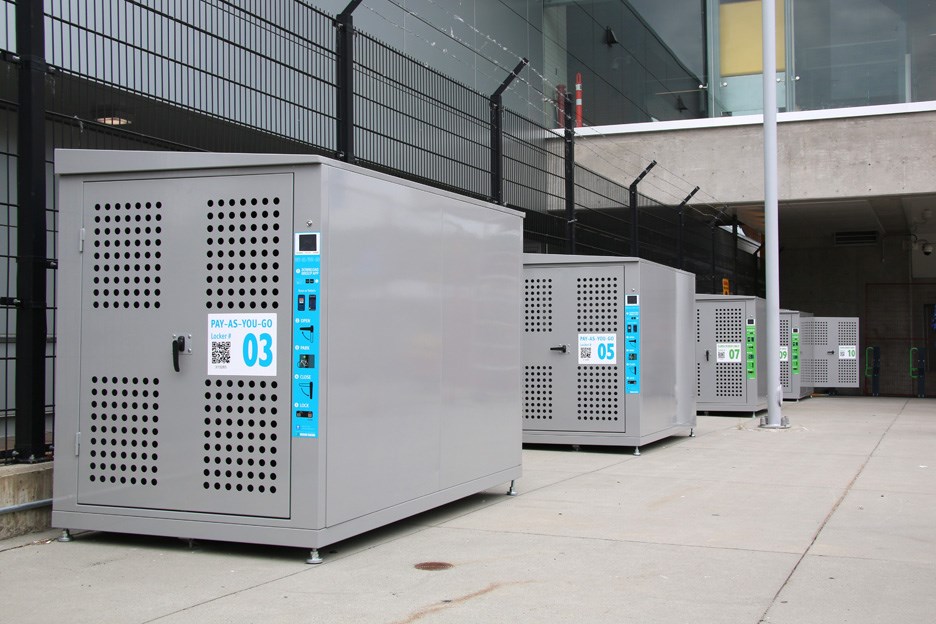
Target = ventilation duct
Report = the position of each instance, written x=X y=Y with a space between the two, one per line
x=867 y=237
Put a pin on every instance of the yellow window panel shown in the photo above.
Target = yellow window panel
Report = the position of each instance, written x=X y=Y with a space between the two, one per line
x=741 y=39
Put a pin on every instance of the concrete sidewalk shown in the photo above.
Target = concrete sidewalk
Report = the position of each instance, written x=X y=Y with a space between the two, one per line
x=833 y=520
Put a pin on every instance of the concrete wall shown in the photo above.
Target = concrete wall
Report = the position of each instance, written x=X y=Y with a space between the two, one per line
x=873 y=283
x=818 y=159
x=25 y=483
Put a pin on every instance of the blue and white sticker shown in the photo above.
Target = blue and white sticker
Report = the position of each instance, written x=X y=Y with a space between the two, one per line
x=597 y=349
x=632 y=345
x=306 y=335
x=242 y=344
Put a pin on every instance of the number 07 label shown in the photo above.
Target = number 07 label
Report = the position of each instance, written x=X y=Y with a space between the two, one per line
x=728 y=352
x=242 y=344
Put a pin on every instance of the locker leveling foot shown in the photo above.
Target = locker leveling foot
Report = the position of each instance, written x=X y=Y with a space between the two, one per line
x=511 y=491
x=65 y=536
x=314 y=557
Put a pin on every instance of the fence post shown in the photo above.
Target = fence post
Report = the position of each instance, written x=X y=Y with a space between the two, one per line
x=569 y=156
x=344 y=82
x=497 y=150
x=31 y=261
x=712 y=259
x=734 y=268
x=496 y=102
x=680 y=237
x=635 y=230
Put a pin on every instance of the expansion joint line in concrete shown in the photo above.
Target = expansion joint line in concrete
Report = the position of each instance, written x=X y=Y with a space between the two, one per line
x=838 y=503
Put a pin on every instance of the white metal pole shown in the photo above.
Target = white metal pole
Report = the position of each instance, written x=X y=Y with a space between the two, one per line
x=771 y=220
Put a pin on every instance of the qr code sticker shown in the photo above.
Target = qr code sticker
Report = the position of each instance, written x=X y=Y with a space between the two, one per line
x=220 y=352
x=585 y=353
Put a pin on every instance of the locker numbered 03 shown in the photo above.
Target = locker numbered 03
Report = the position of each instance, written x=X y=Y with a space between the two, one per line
x=277 y=349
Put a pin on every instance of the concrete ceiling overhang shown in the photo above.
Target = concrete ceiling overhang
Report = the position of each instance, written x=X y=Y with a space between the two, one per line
x=807 y=223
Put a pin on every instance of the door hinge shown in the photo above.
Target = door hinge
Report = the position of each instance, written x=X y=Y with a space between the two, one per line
x=81 y=237
x=77 y=443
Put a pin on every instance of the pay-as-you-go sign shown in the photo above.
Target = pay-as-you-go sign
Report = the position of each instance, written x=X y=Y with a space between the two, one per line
x=242 y=344
x=597 y=349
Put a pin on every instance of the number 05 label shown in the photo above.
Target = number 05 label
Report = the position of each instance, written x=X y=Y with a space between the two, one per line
x=597 y=349
x=242 y=344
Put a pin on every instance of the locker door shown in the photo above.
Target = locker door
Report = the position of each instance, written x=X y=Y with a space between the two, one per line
x=705 y=353
x=841 y=350
x=833 y=342
x=786 y=378
x=165 y=430
x=573 y=348
x=814 y=341
x=721 y=352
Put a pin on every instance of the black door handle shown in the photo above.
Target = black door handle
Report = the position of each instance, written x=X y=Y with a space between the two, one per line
x=706 y=355
x=178 y=346
x=562 y=348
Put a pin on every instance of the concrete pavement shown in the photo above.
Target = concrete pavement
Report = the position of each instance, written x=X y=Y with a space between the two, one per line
x=833 y=520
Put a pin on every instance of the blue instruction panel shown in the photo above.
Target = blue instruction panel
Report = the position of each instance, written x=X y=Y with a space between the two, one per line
x=306 y=303
x=632 y=344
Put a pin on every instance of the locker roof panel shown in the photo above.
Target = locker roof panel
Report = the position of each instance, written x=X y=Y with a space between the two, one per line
x=537 y=259
x=69 y=162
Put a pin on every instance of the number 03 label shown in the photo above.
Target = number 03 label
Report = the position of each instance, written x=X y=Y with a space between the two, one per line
x=242 y=344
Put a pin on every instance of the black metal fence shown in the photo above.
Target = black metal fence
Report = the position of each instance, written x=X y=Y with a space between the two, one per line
x=258 y=76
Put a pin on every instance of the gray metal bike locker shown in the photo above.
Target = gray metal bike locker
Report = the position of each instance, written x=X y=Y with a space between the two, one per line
x=792 y=352
x=730 y=353
x=277 y=349
x=606 y=350
x=831 y=351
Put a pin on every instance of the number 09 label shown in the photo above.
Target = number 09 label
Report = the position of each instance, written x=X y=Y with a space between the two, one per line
x=242 y=344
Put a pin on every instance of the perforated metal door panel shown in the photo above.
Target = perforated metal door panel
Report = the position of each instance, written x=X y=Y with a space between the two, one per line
x=786 y=379
x=833 y=343
x=560 y=304
x=538 y=368
x=720 y=323
x=814 y=339
x=846 y=370
x=159 y=256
